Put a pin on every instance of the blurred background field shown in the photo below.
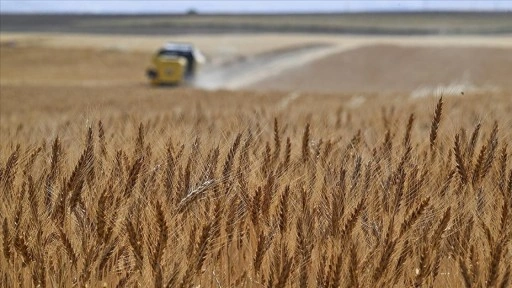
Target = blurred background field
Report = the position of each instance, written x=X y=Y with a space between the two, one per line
x=314 y=62
x=357 y=23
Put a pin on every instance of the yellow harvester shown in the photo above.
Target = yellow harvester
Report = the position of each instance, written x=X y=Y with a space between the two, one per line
x=174 y=64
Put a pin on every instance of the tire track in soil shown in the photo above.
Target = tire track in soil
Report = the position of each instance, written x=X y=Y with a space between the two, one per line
x=244 y=72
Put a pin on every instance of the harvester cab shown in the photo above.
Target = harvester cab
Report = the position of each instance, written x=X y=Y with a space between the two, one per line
x=175 y=63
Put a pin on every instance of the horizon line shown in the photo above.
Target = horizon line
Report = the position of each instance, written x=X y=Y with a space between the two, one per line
x=266 y=13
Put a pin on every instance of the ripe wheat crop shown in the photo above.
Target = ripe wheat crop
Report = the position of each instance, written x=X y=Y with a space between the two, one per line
x=250 y=190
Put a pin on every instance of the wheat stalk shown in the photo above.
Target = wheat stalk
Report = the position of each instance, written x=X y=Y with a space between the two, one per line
x=435 y=123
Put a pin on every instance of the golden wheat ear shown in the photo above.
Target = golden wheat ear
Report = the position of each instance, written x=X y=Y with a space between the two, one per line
x=435 y=124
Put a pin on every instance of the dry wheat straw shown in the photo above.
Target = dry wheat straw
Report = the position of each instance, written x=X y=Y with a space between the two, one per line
x=201 y=210
x=435 y=123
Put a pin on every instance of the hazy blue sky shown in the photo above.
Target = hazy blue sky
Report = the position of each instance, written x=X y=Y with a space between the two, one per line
x=131 y=6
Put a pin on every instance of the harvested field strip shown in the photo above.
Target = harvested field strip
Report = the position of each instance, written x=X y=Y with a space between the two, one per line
x=394 y=68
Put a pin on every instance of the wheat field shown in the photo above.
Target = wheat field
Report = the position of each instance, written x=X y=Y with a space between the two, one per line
x=188 y=188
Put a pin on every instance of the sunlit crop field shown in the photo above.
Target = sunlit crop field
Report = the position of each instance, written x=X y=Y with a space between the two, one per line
x=383 y=162
x=129 y=186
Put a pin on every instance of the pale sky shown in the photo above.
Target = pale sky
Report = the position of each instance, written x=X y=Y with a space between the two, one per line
x=180 y=6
